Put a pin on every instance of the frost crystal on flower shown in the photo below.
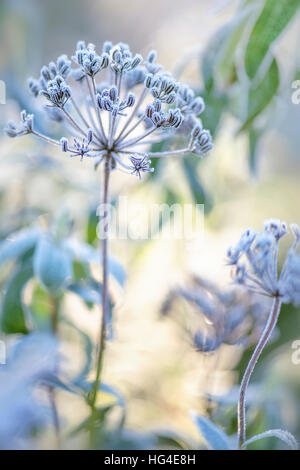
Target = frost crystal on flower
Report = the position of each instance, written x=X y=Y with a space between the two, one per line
x=113 y=101
x=255 y=259
x=140 y=165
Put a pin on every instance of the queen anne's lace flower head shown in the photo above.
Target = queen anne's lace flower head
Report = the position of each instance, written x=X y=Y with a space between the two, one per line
x=255 y=261
x=95 y=101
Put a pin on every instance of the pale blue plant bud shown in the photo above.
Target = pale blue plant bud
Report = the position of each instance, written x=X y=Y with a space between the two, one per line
x=151 y=57
x=113 y=93
x=130 y=100
x=64 y=144
x=296 y=231
x=196 y=131
x=107 y=46
x=197 y=106
x=11 y=130
x=33 y=86
x=45 y=72
x=276 y=227
x=90 y=136
x=149 y=111
x=136 y=61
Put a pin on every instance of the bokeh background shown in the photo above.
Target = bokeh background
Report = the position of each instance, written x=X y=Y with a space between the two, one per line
x=152 y=360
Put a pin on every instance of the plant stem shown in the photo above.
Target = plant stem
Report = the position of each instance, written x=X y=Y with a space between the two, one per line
x=270 y=325
x=54 y=325
x=134 y=112
x=93 y=94
x=74 y=123
x=104 y=294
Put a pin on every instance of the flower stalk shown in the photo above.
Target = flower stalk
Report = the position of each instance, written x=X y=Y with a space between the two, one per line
x=105 y=300
x=267 y=333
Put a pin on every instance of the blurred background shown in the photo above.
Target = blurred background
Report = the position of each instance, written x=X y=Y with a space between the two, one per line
x=252 y=174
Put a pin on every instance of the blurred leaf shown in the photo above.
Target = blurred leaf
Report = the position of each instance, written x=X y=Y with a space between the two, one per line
x=101 y=410
x=90 y=293
x=40 y=308
x=62 y=224
x=18 y=244
x=170 y=440
x=52 y=265
x=80 y=381
x=261 y=94
x=209 y=57
x=86 y=423
x=81 y=271
x=161 y=146
x=226 y=66
x=284 y=436
x=274 y=17
x=215 y=105
x=29 y=361
x=254 y=138
x=13 y=314
x=91 y=228
x=113 y=392
x=87 y=254
x=215 y=438
x=190 y=170
x=56 y=382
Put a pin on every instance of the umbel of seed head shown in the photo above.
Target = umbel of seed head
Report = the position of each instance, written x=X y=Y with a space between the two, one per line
x=255 y=262
x=112 y=101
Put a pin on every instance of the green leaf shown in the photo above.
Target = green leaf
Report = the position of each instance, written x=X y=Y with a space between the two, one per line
x=215 y=105
x=85 y=425
x=13 y=314
x=92 y=223
x=259 y=96
x=215 y=438
x=18 y=244
x=40 y=308
x=275 y=16
x=52 y=265
x=284 y=436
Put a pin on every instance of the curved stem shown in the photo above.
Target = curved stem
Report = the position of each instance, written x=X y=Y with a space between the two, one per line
x=104 y=295
x=54 y=325
x=271 y=323
x=47 y=139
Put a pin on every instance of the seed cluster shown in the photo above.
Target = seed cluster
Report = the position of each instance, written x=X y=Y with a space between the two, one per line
x=92 y=96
